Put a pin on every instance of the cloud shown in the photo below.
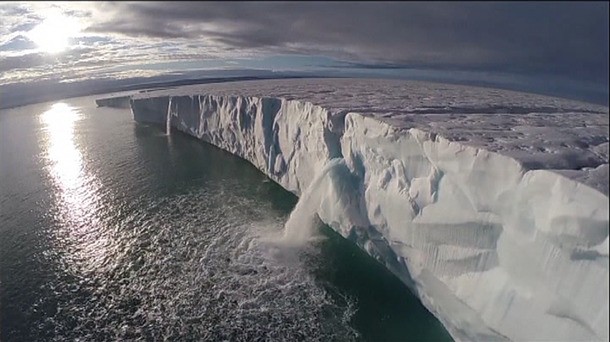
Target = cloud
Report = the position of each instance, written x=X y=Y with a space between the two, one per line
x=569 y=39
x=17 y=43
x=566 y=38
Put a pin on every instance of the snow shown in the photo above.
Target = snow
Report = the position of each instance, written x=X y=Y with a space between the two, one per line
x=491 y=205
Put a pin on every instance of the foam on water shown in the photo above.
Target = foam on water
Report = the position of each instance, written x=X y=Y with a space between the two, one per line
x=213 y=277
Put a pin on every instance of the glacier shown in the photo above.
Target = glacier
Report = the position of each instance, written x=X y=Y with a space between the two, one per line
x=491 y=205
x=114 y=101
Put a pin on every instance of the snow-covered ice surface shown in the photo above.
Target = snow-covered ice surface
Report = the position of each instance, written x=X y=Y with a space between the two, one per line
x=491 y=205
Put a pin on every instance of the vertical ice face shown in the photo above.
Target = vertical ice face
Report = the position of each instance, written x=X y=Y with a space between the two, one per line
x=495 y=251
x=287 y=140
x=475 y=226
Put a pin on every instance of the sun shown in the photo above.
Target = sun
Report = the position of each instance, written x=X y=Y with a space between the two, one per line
x=54 y=33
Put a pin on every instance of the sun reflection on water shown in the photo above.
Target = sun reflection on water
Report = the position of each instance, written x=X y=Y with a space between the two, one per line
x=65 y=159
x=76 y=191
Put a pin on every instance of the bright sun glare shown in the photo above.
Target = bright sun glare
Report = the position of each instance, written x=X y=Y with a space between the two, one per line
x=54 y=33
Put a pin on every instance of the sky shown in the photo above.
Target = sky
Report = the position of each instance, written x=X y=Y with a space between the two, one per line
x=557 y=48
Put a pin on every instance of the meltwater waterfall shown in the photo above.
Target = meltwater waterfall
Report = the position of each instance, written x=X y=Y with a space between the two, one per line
x=169 y=117
x=302 y=221
x=330 y=194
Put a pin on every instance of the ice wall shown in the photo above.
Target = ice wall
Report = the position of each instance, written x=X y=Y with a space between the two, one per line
x=287 y=140
x=114 y=102
x=495 y=251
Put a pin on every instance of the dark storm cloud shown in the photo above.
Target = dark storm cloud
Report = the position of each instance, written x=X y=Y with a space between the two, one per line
x=560 y=38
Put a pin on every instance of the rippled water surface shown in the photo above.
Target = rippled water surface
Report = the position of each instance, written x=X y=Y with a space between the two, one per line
x=111 y=230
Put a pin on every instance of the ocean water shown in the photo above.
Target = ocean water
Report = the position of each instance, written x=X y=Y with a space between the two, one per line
x=112 y=230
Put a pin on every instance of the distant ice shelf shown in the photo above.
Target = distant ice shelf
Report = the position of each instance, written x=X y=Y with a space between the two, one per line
x=491 y=205
x=114 y=102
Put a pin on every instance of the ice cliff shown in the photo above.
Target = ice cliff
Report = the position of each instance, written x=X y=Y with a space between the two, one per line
x=492 y=206
x=114 y=102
